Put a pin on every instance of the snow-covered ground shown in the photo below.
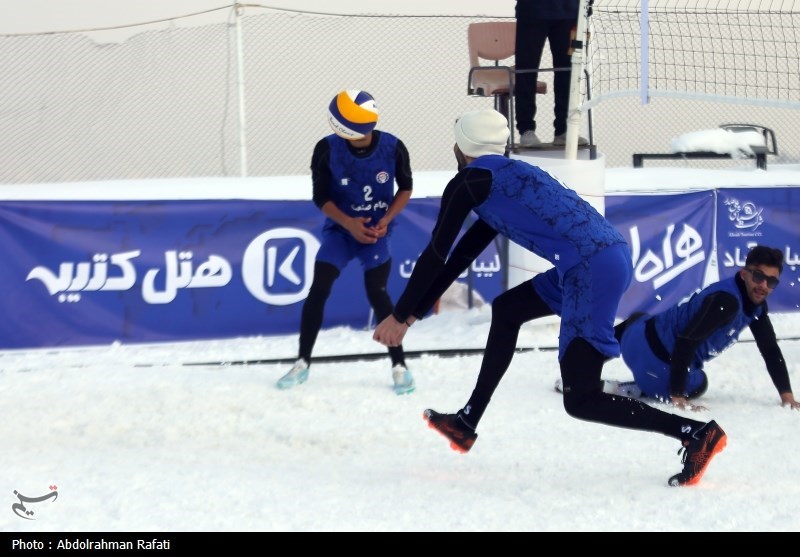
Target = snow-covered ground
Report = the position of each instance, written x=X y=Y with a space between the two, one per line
x=134 y=439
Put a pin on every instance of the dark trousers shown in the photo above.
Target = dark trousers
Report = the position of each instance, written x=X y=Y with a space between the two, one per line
x=581 y=370
x=531 y=38
x=313 y=312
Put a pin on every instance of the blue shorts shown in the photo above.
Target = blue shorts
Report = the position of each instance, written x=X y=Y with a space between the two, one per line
x=339 y=248
x=651 y=373
x=587 y=298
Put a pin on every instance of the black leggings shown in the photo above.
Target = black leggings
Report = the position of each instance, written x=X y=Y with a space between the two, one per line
x=581 y=370
x=313 y=312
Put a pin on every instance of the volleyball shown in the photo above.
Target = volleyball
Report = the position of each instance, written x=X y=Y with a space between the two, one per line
x=352 y=114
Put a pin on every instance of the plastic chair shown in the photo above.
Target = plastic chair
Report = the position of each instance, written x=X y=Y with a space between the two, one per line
x=495 y=42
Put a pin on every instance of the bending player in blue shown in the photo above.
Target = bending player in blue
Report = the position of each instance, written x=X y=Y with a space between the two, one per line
x=591 y=270
x=666 y=352
x=353 y=173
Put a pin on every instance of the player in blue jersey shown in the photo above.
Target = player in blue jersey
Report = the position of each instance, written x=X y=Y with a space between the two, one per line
x=353 y=172
x=666 y=352
x=591 y=270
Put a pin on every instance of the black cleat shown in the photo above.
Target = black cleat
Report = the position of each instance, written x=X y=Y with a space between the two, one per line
x=460 y=435
x=698 y=452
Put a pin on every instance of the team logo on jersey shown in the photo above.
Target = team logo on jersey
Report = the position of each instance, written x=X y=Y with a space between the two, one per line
x=382 y=177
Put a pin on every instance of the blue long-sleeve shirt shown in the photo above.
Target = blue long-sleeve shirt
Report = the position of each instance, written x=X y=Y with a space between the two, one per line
x=710 y=322
x=517 y=200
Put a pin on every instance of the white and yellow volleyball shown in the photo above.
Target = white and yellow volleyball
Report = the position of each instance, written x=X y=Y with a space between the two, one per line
x=352 y=114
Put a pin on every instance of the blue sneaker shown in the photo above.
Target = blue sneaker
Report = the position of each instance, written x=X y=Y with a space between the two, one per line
x=296 y=376
x=403 y=380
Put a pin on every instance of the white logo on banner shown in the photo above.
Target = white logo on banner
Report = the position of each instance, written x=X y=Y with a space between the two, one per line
x=745 y=216
x=677 y=256
x=262 y=262
x=85 y=276
x=179 y=272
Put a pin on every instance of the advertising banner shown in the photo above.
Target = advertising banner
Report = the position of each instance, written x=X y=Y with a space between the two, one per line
x=767 y=216
x=671 y=242
x=97 y=272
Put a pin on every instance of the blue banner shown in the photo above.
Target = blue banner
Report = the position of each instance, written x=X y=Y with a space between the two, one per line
x=768 y=216
x=671 y=242
x=97 y=272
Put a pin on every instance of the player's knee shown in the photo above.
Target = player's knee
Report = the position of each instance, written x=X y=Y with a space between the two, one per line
x=376 y=292
x=578 y=399
x=380 y=301
x=506 y=310
x=319 y=292
x=325 y=275
x=581 y=369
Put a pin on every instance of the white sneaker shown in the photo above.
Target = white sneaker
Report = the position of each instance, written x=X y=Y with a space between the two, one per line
x=529 y=139
x=296 y=376
x=622 y=388
x=562 y=140
x=403 y=380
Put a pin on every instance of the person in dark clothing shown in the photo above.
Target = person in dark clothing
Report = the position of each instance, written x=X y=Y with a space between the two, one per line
x=591 y=270
x=666 y=352
x=540 y=21
x=353 y=172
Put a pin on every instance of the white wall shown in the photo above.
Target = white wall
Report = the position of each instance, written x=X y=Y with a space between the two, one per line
x=38 y=16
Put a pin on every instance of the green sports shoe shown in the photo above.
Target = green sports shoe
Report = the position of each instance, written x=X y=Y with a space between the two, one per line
x=296 y=376
x=403 y=380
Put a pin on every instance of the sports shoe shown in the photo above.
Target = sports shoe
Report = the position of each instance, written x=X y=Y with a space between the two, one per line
x=529 y=139
x=562 y=140
x=623 y=388
x=460 y=435
x=403 y=380
x=296 y=376
x=698 y=452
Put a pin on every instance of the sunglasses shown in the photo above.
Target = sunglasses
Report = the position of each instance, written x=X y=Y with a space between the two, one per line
x=759 y=277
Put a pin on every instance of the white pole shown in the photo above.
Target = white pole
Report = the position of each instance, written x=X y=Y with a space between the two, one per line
x=239 y=10
x=576 y=76
x=644 y=47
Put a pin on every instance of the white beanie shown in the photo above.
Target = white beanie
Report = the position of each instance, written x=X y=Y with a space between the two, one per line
x=483 y=132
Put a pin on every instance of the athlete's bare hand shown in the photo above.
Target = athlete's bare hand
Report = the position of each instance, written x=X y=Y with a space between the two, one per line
x=357 y=226
x=381 y=227
x=788 y=401
x=390 y=332
x=684 y=404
